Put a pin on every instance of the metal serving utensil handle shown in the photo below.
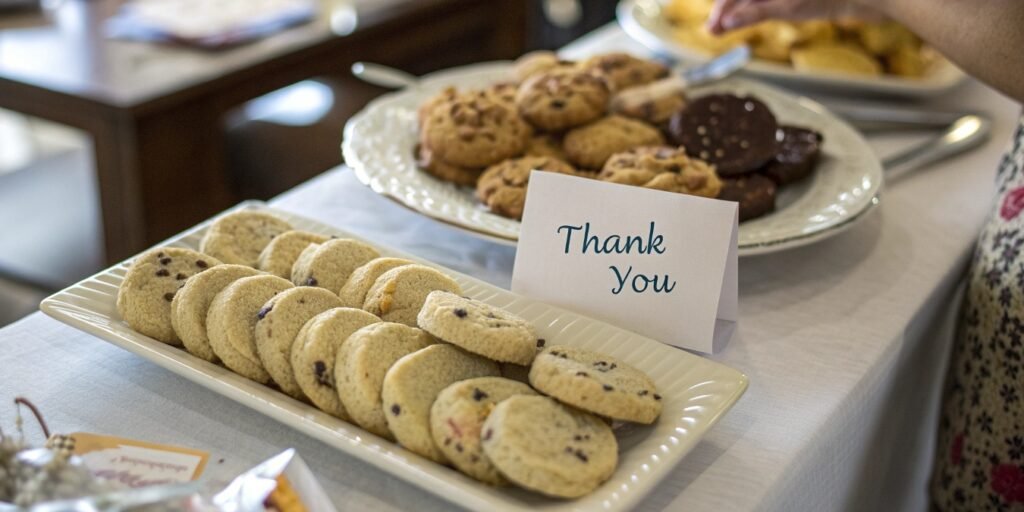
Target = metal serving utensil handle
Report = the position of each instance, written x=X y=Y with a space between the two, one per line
x=965 y=133
x=384 y=76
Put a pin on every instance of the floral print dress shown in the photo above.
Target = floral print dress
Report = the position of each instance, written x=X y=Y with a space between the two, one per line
x=979 y=461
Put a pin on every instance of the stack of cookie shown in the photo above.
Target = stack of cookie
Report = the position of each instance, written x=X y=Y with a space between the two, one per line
x=391 y=346
x=559 y=117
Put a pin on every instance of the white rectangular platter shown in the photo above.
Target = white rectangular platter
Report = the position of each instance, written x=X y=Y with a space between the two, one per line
x=697 y=391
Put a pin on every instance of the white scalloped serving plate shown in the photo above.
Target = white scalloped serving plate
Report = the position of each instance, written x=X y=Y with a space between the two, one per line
x=642 y=20
x=697 y=391
x=379 y=142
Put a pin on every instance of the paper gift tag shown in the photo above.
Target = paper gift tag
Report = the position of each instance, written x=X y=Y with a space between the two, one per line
x=658 y=263
x=138 y=463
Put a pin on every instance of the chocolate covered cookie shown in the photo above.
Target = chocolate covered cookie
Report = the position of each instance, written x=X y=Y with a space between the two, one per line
x=797 y=156
x=755 y=193
x=735 y=134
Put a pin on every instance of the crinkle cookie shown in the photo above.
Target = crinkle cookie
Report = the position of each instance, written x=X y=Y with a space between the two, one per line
x=474 y=131
x=328 y=265
x=597 y=383
x=145 y=295
x=561 y=99
x=398 y=294
x=314 y=352
x=662 y=168
x=412 y=384
x=231 y=323
x=279 y=256
x=353 y=294
x=240 y=237
x=192 y=303
x=278 y=322
x=624 y=70
x=479 y=328
x=590 y=146
x=502 y=187
x=547 y=447
x=457 y=418
x=361 y=364
x=445 y=171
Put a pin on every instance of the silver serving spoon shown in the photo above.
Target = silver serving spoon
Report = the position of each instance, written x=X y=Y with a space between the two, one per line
x=384 y=76
x=965 y=133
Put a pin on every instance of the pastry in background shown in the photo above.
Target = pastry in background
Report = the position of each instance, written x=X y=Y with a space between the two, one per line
x=835 y=58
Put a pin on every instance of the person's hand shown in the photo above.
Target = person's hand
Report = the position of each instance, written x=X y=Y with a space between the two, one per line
x=732 y=14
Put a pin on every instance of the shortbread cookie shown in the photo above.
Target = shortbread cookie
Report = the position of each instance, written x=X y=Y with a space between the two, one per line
x=315 y=350
x=412 y=384
x=474 y=131
x=547 y=447
x=328 y=265
x=280 y=255
x=597 y=383
x=479 y=328
x=353 y=293
x=457 y=418
x=624 y=70
x=192 y=303
x=145 y=295
x=360 y=366
x=231 y=323
x=398 y=294
x=240 y=237
x=590 y=146
x=560 y=99
x=278 y=322
x=502 y=187
x=736 y=134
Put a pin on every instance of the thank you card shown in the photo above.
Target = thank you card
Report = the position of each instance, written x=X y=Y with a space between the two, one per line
x=657 y=263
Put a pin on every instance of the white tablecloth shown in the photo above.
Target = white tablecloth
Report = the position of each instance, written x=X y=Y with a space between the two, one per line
x=842 y=342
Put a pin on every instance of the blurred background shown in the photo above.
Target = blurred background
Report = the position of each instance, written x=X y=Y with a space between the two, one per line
x=122 y=123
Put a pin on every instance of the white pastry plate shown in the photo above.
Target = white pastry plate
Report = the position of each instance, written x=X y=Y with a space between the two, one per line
x=697 y=391
x=379 y=143
x=643 y=21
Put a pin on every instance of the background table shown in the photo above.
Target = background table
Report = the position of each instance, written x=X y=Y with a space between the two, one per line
x=844 y=342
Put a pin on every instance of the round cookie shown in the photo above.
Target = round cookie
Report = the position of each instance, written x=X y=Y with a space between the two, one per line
x=231 y=323
x=398 y=294
x=353 y=293
x=240 y=237
x=755 y=193
x=412 y=384
x=797 y=156
x=457 y=418
x=657 y=110
x=150 y=284
x=502 y=187
x=314 y=351
x=560 y=99
x=479 y=328
x=277 y=324
x=545 y=144
x=360 y=366
x=474 y=131
x=536 y=62
x=590 y=146
x=192 y=303
x=328 y=265
x=662 y=168
x=279 y=256
x=623 y=70
x=735 y=134
x=445 y=171
x=596 y=383
x=547 y=447
x=444 y=95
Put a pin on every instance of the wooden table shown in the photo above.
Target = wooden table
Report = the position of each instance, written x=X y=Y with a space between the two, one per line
x=155 y=112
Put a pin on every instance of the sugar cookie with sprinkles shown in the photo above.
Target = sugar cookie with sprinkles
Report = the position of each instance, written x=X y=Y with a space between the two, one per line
x=240 y=237
x=479 y=328
x=145 y=295
x=596 y=383
x=457 y=418
x=544 y=446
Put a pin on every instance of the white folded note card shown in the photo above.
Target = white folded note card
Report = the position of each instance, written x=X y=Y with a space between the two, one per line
x=658 y=263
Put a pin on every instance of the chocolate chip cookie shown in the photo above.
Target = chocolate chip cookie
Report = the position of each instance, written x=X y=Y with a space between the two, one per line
x=662 y=168
x=558 y=100
x=474 y=131
x=590 y=146
x=502 y=187
x=624 y=70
